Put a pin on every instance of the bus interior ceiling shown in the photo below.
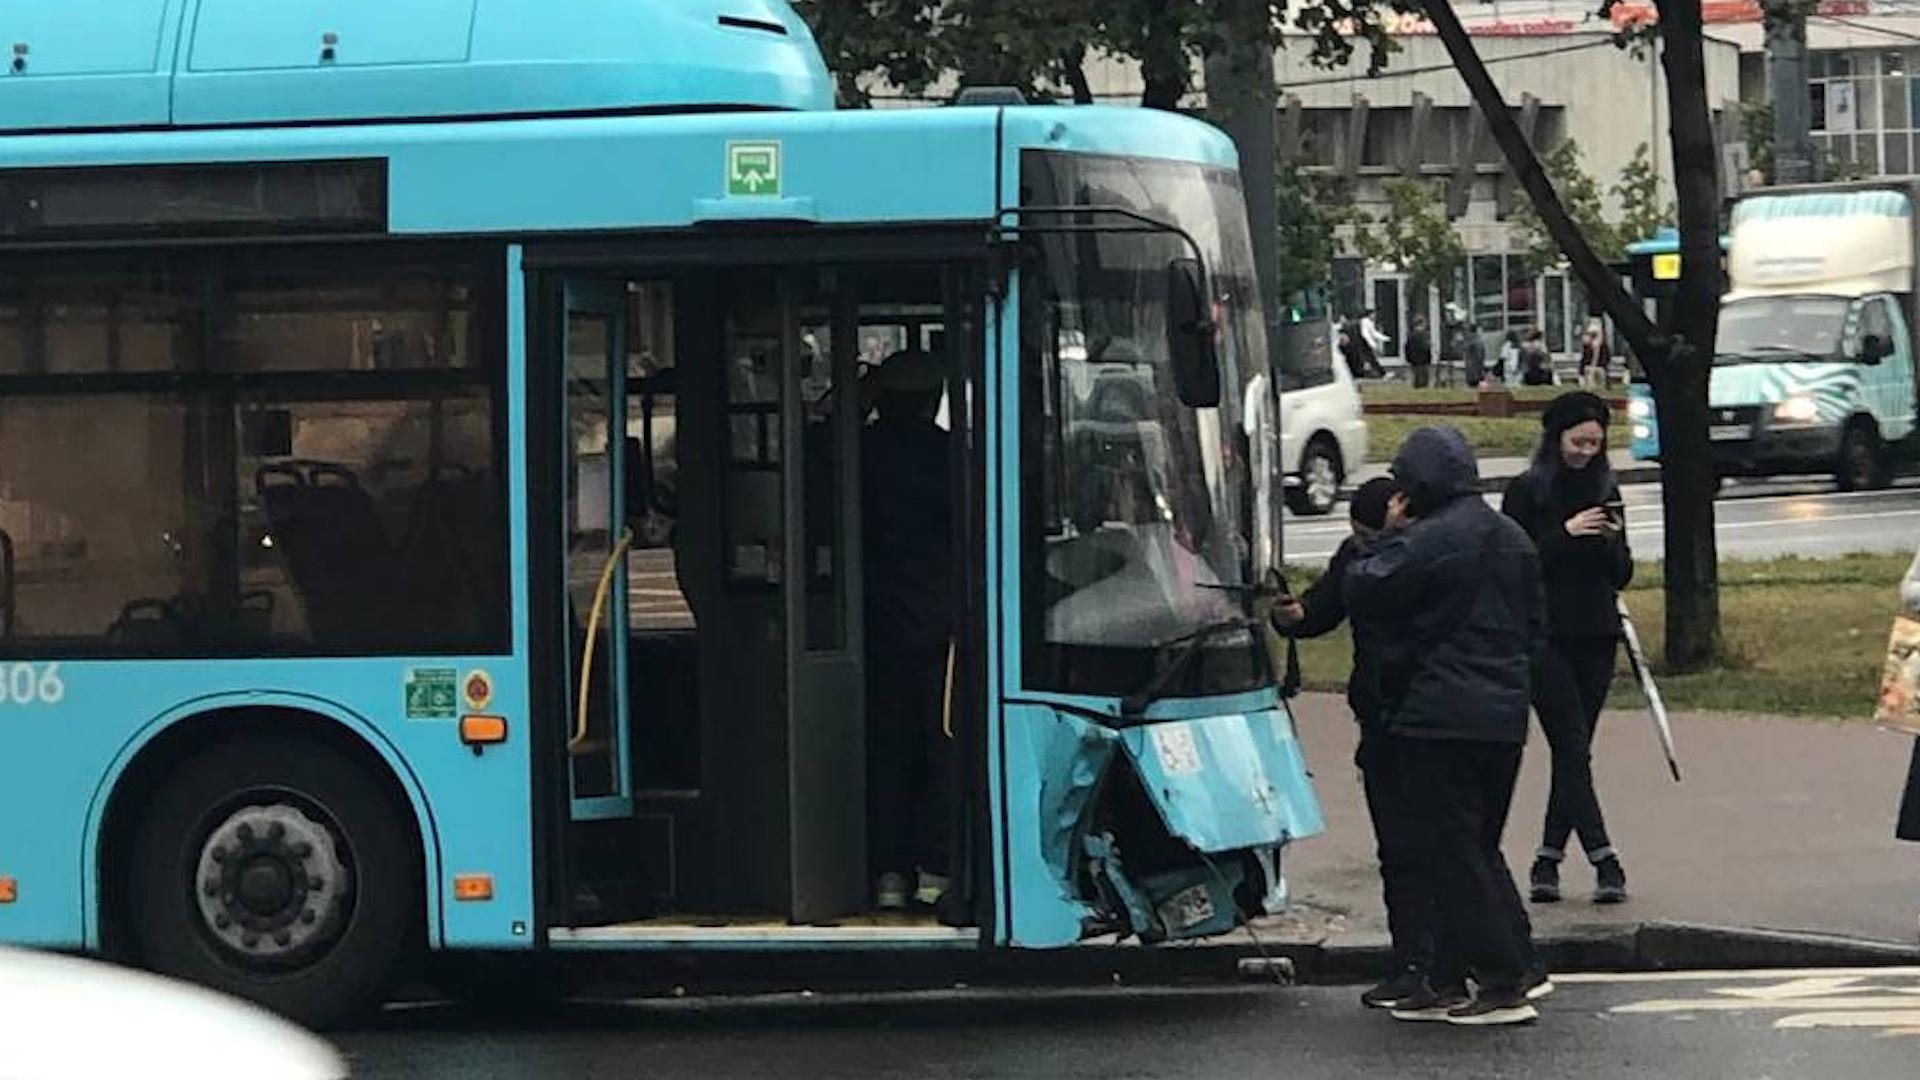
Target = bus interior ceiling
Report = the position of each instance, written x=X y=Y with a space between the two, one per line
x=744 y=704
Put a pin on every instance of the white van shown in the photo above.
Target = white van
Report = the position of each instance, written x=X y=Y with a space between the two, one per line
x=1323 y=432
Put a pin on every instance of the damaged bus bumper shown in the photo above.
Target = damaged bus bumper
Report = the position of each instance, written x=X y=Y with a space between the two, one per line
x=1171 y=828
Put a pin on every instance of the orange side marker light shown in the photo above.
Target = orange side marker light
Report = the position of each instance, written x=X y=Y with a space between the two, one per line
x=9 y=890
x=469 y=888
x=483 y=730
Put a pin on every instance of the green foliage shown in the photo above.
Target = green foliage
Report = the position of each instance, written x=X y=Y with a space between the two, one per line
x=1309 y=211
x=1414 y=234
x=1642 y=210
x=1580 y=194
x=1756 y=127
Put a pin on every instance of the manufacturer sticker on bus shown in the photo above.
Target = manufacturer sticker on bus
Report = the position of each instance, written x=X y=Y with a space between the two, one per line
x=431 y=694
x=478 y=690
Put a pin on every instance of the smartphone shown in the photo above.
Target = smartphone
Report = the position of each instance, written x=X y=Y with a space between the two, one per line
x=1616 y=512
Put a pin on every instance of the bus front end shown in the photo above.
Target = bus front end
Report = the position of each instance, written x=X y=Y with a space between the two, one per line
x=1151 y=771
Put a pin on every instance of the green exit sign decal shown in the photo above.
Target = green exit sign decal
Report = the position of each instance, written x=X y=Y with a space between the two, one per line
x=753 y=169
x=430 y=693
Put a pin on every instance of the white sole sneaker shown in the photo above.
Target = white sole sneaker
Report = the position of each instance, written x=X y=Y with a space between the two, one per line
x=1543 y=990
x=1512 y=1014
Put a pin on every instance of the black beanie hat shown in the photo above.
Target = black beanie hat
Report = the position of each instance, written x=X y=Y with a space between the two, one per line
x=1575 y=407
x=1369 y=505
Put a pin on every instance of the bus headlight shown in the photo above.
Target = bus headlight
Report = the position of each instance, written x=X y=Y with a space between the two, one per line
x=1798 y=409
x=1640 y=408
x=1643 y=431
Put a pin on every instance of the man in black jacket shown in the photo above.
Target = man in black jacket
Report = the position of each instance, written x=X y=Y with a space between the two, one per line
x=1412 y=914
x=1455 y=606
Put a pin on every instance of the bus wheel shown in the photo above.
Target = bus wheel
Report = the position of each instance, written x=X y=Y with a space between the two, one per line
x=1863 y=460
x=277 y=869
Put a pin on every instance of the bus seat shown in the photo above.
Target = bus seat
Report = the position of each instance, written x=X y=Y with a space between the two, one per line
x=452 y=554
x=324 y=523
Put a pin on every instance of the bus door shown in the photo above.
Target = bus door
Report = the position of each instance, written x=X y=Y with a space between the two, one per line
x=597 y=543
x=790 y=528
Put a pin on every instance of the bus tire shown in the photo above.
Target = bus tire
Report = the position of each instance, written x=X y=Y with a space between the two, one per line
x=1862 y=464
x=277 y=869
x=1321 y=475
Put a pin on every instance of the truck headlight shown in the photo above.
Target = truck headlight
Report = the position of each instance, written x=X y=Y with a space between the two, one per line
x=1640 y=408
x=1798 y=409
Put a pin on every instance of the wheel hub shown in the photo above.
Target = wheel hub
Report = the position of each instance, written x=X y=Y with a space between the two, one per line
x=1322 y=485
x=271 y=884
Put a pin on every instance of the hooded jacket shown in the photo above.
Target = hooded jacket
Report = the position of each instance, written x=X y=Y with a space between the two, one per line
x=1453 y=603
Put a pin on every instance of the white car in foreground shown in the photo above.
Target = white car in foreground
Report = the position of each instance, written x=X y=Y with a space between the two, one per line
x=65 y=1018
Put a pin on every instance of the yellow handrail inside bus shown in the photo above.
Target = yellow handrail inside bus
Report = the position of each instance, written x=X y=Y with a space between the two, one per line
x=593 y=631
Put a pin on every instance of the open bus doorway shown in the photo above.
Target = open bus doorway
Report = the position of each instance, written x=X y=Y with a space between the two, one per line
x=720 y=598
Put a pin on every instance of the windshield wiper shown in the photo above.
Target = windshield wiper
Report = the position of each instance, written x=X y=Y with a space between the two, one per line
x=1173 y=656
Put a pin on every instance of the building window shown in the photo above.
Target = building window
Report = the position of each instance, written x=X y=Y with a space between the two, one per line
x=1865 y=105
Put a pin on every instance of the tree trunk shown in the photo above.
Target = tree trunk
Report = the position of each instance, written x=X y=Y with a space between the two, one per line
x=1680 y=385
x=1073 y=66
x=1678 y=364
x=1164 y=65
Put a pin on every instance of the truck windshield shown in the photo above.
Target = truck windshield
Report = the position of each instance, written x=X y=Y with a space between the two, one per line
x=1778 y=328
x=1138 y=519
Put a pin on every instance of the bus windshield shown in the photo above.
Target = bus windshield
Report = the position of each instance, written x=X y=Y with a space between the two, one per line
x=1139 y=508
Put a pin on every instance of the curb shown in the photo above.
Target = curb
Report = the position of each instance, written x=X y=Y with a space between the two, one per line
x=1648 y=947
x=1648 y=473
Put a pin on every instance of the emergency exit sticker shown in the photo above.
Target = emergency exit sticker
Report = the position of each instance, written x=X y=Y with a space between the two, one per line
x=1178 y=753
x=431 y=693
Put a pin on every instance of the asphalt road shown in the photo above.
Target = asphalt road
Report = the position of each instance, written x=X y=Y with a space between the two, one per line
x=1687 y=1026
x=1753 y=519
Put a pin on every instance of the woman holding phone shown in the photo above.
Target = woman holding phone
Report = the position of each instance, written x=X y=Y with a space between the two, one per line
x=1568 y=501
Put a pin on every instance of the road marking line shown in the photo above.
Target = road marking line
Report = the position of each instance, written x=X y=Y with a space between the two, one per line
x=1758 y=975
x=1895 y=1003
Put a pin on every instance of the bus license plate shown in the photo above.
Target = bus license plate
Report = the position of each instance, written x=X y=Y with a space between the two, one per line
x=1729 y=432
x=1188 y=908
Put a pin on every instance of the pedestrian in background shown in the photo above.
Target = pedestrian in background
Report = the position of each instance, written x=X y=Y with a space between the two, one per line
x=1507 y=368
x=1420 y=353
x=1536 y=363
x=1595 y=357
x=1412 y=913
x=1452 y=602
x=1569 y=503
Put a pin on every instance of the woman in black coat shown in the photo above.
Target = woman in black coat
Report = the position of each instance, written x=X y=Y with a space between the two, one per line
x=1569 y=503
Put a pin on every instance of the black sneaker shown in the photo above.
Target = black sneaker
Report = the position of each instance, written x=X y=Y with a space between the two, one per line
x=1543 y=882
x=1493 y=1010
x=1390 y=994
x=1611 y=887
x=1430 y=1004
x=1538 y=984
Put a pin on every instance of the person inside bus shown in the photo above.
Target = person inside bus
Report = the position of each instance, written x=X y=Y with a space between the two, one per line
x=1569 y=503
x=1452 y=602
x=908 y=537
x=1412 y=914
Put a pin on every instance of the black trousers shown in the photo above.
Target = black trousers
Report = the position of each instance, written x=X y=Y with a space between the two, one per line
x=1571 y=691
x=908 y=759
x=1413 y=914
x=1908 y=827
x=1465 y=790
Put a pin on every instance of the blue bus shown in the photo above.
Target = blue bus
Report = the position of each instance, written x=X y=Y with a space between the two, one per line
x=432 y=445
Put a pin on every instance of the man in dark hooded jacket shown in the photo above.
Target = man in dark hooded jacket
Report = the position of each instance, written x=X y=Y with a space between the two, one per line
x=1454 y=604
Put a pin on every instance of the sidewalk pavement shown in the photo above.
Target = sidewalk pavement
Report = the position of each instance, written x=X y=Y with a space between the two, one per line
x=1496 y=471
x=1782 y=825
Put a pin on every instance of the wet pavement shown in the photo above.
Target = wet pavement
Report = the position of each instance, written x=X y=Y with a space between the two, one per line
x=1777 y=1025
